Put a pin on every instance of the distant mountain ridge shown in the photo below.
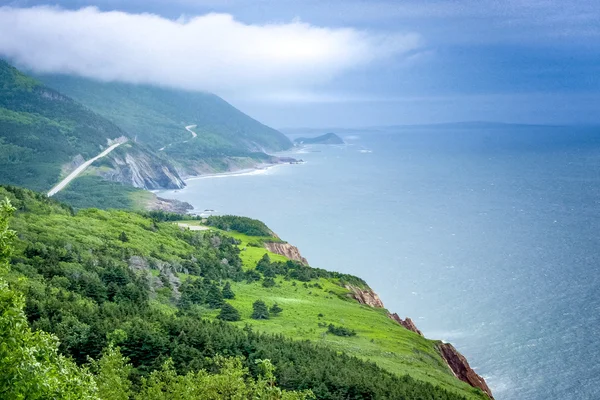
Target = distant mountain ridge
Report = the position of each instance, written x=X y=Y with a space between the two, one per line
x=45 y=134
x=49 y=128
x=158 y=116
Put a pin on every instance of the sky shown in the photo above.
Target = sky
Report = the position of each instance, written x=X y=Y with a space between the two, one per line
x=340 y=63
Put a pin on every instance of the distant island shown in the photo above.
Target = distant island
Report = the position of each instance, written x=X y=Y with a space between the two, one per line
x=328 y=138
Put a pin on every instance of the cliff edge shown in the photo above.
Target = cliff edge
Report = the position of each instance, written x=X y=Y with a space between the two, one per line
x=286 y=250
x=461 y=368
x=457 y=363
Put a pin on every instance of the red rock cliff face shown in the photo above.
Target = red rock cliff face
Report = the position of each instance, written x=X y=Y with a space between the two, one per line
x=365 y=296
x=407 y=323
x=460 y=367
x=287 y=250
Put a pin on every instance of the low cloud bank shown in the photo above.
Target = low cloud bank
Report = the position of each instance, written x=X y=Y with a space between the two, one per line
x=212 y=52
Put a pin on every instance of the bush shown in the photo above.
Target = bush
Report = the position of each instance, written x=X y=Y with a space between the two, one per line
x=275 y=310
x=268 y=282
x=340 y=330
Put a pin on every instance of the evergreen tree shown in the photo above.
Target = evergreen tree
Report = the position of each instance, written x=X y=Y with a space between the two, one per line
x=229 y=313
x=275 y=310
x=214 y=297
x=123 y=237
x=265 y=261
x=227 y=292
x=260 y=310
x=268 y=282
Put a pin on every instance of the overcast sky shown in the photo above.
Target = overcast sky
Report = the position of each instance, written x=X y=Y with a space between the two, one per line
x=346 y=63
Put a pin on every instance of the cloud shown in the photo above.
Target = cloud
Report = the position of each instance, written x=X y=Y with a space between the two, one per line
x=212 y=52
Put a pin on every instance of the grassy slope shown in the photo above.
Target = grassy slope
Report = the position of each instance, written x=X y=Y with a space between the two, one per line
x=378 y=339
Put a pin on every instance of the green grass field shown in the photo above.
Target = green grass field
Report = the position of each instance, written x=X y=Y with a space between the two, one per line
x=379 y=339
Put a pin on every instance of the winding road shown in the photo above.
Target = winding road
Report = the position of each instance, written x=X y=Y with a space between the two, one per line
x=189 y=129
x=61 y=185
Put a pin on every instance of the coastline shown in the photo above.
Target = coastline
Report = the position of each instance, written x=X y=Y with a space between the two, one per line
x=258 y=170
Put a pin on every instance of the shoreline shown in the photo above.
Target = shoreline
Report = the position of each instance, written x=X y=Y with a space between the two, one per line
x=258 y=170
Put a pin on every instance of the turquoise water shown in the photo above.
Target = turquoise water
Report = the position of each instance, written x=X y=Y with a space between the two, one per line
x=488 y=239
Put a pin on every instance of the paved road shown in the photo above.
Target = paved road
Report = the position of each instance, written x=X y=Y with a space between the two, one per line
x=80 y=169
x=189 y=129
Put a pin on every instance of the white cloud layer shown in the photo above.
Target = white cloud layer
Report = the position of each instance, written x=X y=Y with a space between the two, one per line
x=213 y=52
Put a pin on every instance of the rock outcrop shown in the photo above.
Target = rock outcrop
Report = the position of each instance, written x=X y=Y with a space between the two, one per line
x=132 y=165
x=407 y=323
x=286 y=250
x=365 y=296
x=169 y=205
x=461 y=369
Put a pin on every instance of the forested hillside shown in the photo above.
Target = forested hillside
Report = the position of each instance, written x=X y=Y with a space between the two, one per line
x=41 y=129
x=158 y=117
x=127 y=288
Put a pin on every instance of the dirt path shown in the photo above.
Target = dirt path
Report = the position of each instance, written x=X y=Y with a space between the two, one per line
x=61 y=185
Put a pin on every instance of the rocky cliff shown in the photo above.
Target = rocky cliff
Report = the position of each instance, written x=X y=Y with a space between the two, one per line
x=461 y=369
x=135 y=166
x=365 y=296
x=407 y=323
x=287 y=250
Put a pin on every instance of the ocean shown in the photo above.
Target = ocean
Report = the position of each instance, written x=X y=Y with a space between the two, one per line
x=487 y=237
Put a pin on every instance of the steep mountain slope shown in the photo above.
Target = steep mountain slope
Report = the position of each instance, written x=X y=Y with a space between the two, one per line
x=41 y=129
x=44 y=135
x=158 y=117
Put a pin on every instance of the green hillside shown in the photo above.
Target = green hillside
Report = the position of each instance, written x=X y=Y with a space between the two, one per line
x=161 y=292
x=41 y=129
x=158 y=116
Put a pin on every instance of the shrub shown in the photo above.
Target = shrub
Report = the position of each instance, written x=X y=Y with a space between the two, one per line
x=275 y=310
x=268 y=282
x=340 y=330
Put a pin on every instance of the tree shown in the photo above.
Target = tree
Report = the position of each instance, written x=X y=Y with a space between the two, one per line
x=214 y=297
x=123 y=237
x=227 y=292
x=275 y=310
x=229 y=313
x=112 y=375
x=268 y=282
x=260 y=310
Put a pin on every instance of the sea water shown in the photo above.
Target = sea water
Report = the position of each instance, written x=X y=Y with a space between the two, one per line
x=488 y=238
